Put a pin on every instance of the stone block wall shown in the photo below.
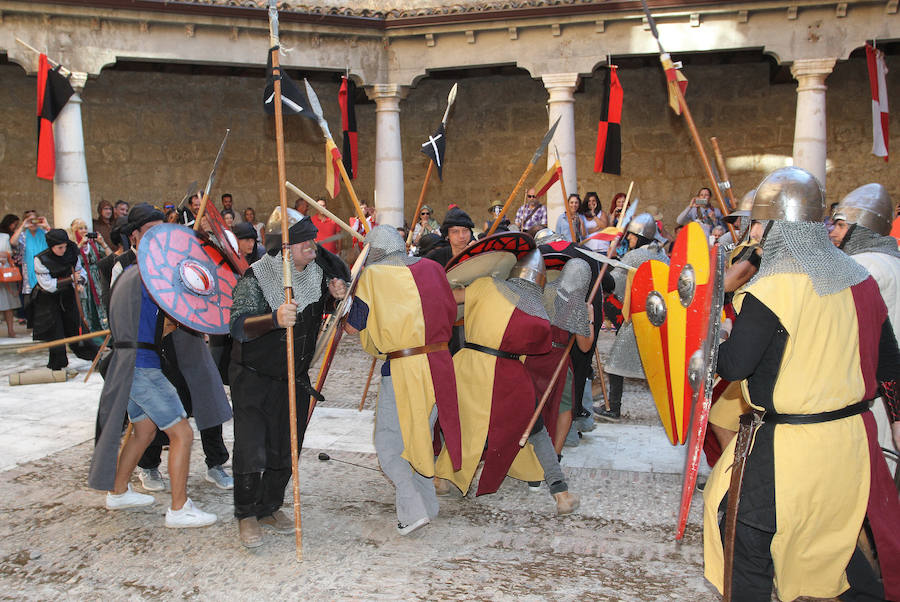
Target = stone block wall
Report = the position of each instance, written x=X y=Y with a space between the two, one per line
x=149 y=134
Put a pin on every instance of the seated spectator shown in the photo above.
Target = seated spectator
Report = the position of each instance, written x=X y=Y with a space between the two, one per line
x=700 y=211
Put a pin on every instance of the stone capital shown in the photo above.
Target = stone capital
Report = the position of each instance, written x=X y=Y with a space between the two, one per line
x=78 y=79
x=561 y=86
x=386 y=92
x=811 y=73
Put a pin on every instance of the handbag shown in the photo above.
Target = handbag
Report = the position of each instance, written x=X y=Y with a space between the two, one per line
x=10 y=273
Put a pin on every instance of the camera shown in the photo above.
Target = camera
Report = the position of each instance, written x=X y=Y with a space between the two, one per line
x=91 y=235
x=702 y=202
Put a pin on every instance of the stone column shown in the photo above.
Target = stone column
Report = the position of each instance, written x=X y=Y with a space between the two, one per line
x=561 y=87
x=71 y=194
x=388 y=152
x=809 y=125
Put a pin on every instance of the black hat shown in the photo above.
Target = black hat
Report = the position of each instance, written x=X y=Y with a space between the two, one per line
x=142 y=214
x=56 y=236
x=244 y=230
x=456 y=217
x=302 y=231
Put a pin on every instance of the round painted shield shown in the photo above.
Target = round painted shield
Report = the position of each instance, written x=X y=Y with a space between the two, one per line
x=217 y=226
x=189 y=279
x=517 y=243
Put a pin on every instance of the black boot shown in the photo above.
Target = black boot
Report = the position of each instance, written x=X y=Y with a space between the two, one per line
x=610 y=415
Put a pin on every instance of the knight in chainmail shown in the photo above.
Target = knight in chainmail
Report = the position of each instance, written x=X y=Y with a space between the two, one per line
x=862 y=224
x=624 y=359
x=404 y=311
x=504 y=319
x=811 y=340
x=569 y=315
x=258 y=372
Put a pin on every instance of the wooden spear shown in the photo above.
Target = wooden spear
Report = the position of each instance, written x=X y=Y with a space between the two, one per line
x=534 y=159
x=65 y=341
x=287 y=273
x=97 y=358
x=212 y=177
x=362 y=402
x=723 y=171
x=317 y=207
x=451 y=98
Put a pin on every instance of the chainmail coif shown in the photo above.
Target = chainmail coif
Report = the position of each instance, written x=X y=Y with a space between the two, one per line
x=804 y=248
x=386 y=247
x=307 y=285
x=564 y=298
x=863 y=240
x=524 y=294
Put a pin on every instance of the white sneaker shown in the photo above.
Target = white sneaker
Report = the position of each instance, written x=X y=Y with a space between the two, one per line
x=220 y=478
x=129 y=499
x=407 y=529
x=189 y=516
x=151 y=479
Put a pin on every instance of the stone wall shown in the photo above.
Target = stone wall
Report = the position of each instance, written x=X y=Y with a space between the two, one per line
x=149 y=134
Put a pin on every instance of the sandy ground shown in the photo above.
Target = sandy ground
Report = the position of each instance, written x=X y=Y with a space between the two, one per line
x=58 y=540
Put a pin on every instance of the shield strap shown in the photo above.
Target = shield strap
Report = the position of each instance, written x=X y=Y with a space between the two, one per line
x=749 y=423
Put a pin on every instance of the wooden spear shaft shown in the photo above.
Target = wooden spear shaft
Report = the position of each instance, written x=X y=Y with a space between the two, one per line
x=509 y=199
x=419 y=204
x=353 y=197
x=695 y=135
x=97 y=358
x=65 y=341
x=723 y=171
x=362 y=402
x=287 y=269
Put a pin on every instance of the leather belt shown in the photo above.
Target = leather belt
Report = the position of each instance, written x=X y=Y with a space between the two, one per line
x=134 y=345
x=491 y=351
x=558 y=345
x=851 y=410
x=393 y=355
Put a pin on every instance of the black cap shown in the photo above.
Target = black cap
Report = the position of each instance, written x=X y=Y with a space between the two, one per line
x=302 y=231
x=141 y=214
x=456 y=217
x=244 y=230
x=56 y=236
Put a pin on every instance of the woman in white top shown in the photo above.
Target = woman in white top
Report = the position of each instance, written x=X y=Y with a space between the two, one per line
x=562 y=222
x=595 y=220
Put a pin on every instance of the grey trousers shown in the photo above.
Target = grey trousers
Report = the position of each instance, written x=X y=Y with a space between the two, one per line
x=416 y=498
x=546 y=455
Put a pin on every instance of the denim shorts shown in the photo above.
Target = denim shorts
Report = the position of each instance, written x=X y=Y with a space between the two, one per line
x=153 y=396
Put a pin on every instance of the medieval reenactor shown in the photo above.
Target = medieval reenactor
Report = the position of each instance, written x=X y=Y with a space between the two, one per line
x=247 y=240
x=456 y=231
x=135 y=383
x=811 y=342
x=404 y=309
x=862 y=224
x=624 y=360
x=57 y=310
x=258 y=373
x=504 y=319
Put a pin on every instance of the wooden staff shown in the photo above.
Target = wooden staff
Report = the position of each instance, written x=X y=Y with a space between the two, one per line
x=561 y=364
x=362 y=402
x=97 y=358
x=723 y=171
x=287 y=270
x=602 y=380
x=212 y=177
x=562 y=185
x=65 y=341
x=537 y=155
x=317 y=207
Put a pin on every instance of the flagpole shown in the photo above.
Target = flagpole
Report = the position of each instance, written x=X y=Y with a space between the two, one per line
x=534 y=159
x=723 y=171
x=62 y=69
x=287 y=273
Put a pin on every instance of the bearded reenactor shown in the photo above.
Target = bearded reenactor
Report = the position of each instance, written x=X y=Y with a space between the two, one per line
x=811 y=466
x=404 y=311
x=862 y=223
x=258 y=373
x=504 y=319
x=624 y=359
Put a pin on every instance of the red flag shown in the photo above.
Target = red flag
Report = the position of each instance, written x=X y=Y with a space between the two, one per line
x=550 y=177
x=53 y=91
x=348 y=125
x=673 y=74
x=880 y=116
x=608 y=156
x=332 y=171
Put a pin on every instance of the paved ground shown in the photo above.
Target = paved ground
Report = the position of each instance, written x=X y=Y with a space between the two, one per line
x=58 y=540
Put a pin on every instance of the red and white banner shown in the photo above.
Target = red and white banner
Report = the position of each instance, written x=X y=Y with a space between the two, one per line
x=877 y=71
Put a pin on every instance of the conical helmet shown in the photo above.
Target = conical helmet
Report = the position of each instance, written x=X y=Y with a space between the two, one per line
x=868 y=206
x=530 y=267
x=743 y=208
x=789 y=194
x=273 y=227
x=642 y=224
x=546 y=236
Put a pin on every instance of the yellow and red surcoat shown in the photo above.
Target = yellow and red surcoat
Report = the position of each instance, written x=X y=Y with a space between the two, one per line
x=496 y=395
x=412 y=306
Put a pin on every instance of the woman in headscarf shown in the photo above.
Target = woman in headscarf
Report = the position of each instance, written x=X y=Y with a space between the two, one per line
x=426 y=224
x=91 y=250
x=58 y=273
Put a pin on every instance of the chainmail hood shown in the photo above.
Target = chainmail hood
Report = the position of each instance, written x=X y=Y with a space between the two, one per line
x=307 y=285
x=863 y=240
x=564 y=299
x=804 y=248
x=635 y=258
x=386 y=247
x=525 y=295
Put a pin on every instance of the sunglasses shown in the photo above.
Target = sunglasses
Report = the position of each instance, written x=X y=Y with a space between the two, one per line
x=530 y=196
x=425 y=213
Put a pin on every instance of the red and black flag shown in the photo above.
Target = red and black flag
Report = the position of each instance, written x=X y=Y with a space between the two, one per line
x=608 y=158
x=293 y=98
x=346 y=97
x=53 y=92
x=434 y=149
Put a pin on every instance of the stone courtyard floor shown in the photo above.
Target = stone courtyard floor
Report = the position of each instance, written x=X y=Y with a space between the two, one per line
x=57 y=540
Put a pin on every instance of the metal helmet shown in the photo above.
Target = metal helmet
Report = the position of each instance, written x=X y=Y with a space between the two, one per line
x=789 y=194
x=745 y=206
x=530 y=267
x=273 y=227
x=642 y=224
x=868 y=206
x=546 y=236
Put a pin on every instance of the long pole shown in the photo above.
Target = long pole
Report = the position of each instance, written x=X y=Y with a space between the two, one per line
x=97 y=358
x=65 y=341
x=317 y=207
x=723 y=171
x=287 y=266
x=362 y=402
x=421 y=200
x=602 y=380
